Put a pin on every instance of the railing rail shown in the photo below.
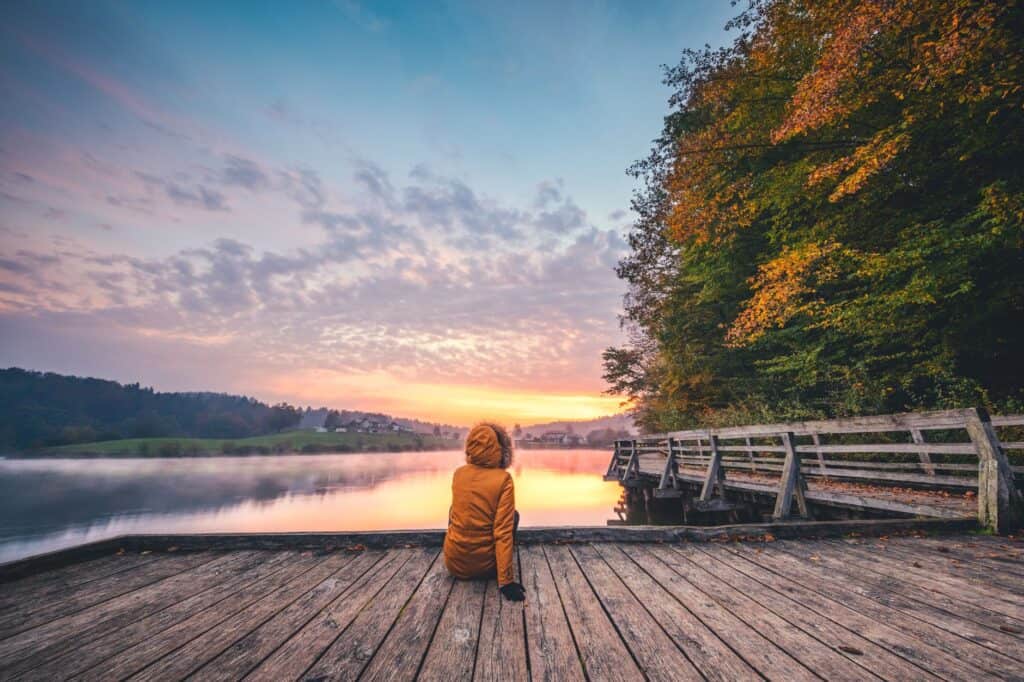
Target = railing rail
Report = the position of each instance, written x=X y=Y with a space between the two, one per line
x=965 y=433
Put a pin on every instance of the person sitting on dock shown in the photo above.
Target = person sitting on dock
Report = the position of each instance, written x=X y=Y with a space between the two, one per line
x=482 y=522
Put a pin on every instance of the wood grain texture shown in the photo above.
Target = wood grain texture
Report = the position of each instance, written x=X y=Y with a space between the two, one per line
x=785 y=609
x=602 y=651
x=347 y=657
x=657 y=655
x=452 y=652
x=553 y=653
x=302 y=649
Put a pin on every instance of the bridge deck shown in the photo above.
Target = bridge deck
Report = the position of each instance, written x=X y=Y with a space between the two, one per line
x=903 y=608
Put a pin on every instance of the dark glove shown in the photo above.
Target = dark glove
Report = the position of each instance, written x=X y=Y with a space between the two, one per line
x=513 y=592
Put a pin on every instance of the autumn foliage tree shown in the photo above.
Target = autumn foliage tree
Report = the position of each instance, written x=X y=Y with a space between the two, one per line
x=832 y=221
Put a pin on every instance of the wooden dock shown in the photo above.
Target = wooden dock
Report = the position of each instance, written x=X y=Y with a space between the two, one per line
x=945 y=607
x=952 y=464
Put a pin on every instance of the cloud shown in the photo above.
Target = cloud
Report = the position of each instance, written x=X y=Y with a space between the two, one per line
x=199 y=197
x=426 y=280
x=244 y=173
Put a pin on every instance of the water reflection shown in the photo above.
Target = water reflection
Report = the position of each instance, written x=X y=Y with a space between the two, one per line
x=49 y=504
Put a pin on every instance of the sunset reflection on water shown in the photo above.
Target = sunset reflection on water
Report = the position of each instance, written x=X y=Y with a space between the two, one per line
x=49 y=504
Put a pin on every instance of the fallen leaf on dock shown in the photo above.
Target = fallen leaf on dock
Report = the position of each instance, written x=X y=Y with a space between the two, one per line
x=1009 y=628
x=850 y=650
x=768 y=537
x=355 y=548
x=173 y=548
x=145 y=552
x=916 y=564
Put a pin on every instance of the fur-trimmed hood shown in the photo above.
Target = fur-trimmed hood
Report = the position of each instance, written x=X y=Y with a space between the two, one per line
x=489 y=445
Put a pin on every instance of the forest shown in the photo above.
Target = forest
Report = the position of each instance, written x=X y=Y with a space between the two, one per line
x=831 y=222
x=45 y=409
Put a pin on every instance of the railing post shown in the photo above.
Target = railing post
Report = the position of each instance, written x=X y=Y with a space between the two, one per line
x=714 y=473
x=926 y=459
x=790 y=483
x=668 y=475
x=614 y=463
x=750 y=455
x=821 y=458
x=1000 y=507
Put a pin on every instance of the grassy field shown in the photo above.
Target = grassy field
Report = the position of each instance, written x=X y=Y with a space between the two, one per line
x=289 y=442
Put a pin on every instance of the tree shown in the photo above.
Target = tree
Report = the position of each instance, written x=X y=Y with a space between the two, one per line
x=832 y=220
x=282 y=416
x=333 y=420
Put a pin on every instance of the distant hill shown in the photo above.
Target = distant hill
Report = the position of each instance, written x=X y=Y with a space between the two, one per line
x=45 y=410
x=617 y=422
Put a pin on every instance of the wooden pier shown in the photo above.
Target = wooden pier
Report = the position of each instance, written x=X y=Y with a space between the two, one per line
x=953 y=464
x=937 y=607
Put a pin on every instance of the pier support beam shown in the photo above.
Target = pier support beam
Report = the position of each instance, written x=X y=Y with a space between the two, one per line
x=1000 y=506
x=791 y=484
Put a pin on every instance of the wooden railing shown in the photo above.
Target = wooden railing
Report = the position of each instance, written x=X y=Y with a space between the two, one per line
x=951 y=449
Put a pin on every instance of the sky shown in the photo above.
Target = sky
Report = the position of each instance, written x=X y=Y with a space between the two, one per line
x=407 y=207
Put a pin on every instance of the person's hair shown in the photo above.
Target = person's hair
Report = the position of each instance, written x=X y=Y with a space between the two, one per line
x=505 y=441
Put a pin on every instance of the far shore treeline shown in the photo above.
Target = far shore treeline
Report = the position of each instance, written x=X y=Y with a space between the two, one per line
x=832 y=221
x=52 y=414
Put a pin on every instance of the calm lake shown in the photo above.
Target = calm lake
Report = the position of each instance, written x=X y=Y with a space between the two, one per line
x=50 y=504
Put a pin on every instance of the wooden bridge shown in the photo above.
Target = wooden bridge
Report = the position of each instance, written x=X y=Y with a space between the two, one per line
x=944 y=465
x=602 y=604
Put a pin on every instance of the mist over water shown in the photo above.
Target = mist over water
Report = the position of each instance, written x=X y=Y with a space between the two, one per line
x=52 y=504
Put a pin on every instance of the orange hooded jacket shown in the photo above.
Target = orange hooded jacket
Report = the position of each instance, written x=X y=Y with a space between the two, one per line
x=481 y=522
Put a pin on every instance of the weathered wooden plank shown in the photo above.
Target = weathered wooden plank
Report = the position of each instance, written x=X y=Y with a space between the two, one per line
x=452 y=651
x=714 y=473
x=346 y=658
x=135 y=658
x=709 y=654
x=657 y=655
x=824 y=660
x=94 y=622
x=980 y=593
x=790 y=602
x=68 y=661
x=20 y=619
x=925 y=457
x=302 y=649
x=761 y=653
x=1000 y=503
x=236 y=661
x=402 y=651
x=603 y=653
x=977 y=625
x=553 y=654
x=993 y=557
x=928 y=646
x=943 y=419
x=39 y=588
x=501 y=653
x=182 y=662
x=926 y=562
x=790 y=483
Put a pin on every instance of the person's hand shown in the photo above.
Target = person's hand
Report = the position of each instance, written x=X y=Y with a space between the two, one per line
x=513 y=592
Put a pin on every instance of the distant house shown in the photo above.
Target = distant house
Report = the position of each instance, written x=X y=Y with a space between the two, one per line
x=320 y=429
x=559 y=438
